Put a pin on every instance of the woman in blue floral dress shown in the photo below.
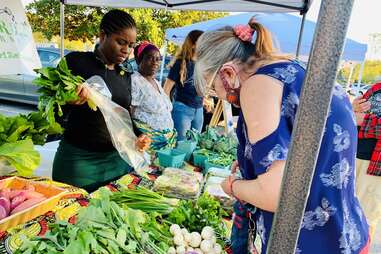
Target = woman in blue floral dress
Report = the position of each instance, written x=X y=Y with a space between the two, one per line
x=267 y=87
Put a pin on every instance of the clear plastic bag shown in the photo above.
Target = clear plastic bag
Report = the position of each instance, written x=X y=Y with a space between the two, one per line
x=119 y=124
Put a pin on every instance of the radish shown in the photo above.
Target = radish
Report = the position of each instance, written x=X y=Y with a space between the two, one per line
x=5 y=193
x=14 y=193
x=27 y=204
x=4 y=202
x=33 y=194
x=3 y=213
x=17 y=200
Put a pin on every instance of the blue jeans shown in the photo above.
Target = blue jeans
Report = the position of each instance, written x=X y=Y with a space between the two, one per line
x=186 y=118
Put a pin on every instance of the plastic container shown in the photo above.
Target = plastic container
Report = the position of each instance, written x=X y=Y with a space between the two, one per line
x=199 y=159
x=209 y=165
x=187 y=147
x=171 y=158
x=52 y=193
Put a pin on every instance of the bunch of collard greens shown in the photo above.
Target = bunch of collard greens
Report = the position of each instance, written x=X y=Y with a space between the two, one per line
x=58 y=86
x=103 y=227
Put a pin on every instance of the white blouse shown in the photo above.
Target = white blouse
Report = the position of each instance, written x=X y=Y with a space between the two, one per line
x=150 y=106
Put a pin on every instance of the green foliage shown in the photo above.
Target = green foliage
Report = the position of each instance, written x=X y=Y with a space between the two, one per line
x=372 y=70
x=195 y=215
x=82 y=23
x=103 y=227
x=21 y=156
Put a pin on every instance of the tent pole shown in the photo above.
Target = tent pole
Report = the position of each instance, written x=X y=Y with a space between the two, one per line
x=310 y=123
x=62 y=28
x=350 y=76
x=300 y=36
x=361 y=73
x=163 y=61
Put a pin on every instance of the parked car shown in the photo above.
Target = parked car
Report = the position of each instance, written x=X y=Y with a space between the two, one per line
x=19 y=87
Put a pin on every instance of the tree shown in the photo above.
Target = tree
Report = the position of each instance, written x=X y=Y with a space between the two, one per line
x=82 y=22
x=372 y=70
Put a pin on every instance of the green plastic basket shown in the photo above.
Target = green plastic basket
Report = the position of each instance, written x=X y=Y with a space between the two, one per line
x=171 y=158
x=199 y=159
x=187 y=147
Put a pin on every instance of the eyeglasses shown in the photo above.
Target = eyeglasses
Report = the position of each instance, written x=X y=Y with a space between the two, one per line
x=211 y=88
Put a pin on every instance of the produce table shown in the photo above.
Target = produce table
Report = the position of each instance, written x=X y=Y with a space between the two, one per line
x=68 y=207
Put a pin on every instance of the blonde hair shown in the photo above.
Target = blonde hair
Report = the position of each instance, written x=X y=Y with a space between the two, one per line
x=186 y=53
x=215 y=48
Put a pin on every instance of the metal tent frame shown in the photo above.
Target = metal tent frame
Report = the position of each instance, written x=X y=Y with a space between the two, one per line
x=311 y=117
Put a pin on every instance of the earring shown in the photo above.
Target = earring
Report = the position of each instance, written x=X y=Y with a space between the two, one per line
x=232 y=95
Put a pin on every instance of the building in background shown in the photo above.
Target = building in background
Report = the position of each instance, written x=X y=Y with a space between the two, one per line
x=374 y=47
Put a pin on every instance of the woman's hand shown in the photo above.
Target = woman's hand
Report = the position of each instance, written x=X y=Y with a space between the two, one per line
x=208 y=104
x=83 y=94
x=360 y=105
x=226 y=185
x=234 y=167
x=143 y=143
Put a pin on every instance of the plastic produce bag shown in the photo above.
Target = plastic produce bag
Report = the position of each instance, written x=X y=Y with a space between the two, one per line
x=119 y=124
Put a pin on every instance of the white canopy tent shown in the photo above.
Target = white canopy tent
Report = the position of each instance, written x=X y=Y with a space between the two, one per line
x=314 y=104
x=206 y=5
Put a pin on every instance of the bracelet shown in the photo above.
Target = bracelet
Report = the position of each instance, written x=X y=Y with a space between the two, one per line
x=231 y=188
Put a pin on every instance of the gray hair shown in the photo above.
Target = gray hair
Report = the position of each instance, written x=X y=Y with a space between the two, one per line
x=215 y=48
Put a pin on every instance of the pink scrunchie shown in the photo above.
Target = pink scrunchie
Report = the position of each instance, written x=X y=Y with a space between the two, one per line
x=244 y=32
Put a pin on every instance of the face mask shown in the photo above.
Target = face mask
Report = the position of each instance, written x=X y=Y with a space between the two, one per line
x=232 y=91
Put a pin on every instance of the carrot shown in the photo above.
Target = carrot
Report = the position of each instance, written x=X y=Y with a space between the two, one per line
x=27 y=204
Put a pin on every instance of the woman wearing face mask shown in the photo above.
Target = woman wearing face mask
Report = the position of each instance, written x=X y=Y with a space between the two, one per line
x=151 y=107
x=86 y=156
x=267 y=87
x=188 y=106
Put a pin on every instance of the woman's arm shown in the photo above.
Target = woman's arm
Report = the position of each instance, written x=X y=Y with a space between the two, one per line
x=261 y=98
x=168 y=85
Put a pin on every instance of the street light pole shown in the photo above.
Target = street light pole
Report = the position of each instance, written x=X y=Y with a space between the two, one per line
x=321 y=73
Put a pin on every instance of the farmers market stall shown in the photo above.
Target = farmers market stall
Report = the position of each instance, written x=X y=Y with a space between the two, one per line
x=109 y=224
x=165 y=212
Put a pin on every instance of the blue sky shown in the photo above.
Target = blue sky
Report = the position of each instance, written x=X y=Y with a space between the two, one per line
x=363 y=18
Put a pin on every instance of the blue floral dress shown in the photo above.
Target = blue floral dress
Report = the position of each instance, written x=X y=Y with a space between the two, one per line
x=333 y=221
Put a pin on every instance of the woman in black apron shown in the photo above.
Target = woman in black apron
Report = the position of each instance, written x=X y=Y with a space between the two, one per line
x=86 y=156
